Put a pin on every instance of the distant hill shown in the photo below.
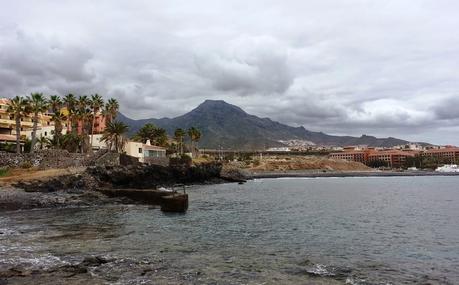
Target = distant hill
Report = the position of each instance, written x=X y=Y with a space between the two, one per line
x=228 y=126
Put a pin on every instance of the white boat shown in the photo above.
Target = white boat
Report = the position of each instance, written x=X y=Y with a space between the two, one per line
x=448 y=168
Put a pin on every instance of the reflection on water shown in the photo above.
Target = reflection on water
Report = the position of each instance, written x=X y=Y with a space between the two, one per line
x=307 y=231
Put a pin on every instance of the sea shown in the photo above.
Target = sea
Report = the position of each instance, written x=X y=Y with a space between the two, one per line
x=369 y=230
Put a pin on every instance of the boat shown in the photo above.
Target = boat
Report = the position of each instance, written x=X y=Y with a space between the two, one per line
x=176 y=202
x=448 y=168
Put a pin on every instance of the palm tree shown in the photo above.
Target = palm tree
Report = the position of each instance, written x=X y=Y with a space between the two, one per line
x=70 y=104
x=38 y=105
x=58 y=118
x=179 y=134
x=195 y=136
x=96 y=104
x=19 y=108
x=55 y=103
x=83 y=116
x=43 y=142
x=114 y=135
x=111 y=109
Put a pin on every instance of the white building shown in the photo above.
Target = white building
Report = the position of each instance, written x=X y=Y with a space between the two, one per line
x=145 y=152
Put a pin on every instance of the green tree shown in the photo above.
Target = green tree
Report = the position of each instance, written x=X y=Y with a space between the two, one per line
x=58 y=118
x=38 y=105
x=84 y=116
x=179 y=135
x=157 y=136
x=96 y=104
x=18 y=107
x=55 y=103
x=71 y=142
x=114 y=135
x=111 y=110
x=43 y=142
x=195 y=135
x=70 y=103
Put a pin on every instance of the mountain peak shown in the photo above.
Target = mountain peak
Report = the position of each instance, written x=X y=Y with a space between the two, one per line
x=217 y=105
x=227 y=126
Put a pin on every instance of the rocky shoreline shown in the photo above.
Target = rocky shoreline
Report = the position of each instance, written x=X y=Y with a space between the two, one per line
x=82 y=189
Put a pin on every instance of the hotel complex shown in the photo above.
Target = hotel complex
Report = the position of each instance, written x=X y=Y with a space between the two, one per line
x=395 y=158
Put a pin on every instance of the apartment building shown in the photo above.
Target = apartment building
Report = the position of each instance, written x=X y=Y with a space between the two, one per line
x=450 y=154
x=393 y=158
x=358 y=156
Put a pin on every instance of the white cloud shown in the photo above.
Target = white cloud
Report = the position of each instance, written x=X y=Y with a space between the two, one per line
x=348 y=67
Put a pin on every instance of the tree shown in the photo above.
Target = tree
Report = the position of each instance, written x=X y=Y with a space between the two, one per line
x=58 y=118
x=71 y=142
x=83 y=116
x=55 y=103
x=111 y=110
x=43 y=142
x=195 y=136
x=179 y=135
x=18 y=107
x=377 y=163
x=70 y=104
x=38 y=105
x=157 y=136
x=114 y=135
x=96 y=104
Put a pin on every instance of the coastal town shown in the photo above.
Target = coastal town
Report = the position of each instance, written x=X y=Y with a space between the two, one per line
x=82 y=124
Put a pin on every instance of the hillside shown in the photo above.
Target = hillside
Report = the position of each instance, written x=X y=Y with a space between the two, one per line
x=229 y=127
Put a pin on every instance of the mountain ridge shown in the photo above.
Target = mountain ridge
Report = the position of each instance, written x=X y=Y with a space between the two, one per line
x=228 y=126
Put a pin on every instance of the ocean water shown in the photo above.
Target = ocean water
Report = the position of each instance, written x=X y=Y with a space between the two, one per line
x=388 y=230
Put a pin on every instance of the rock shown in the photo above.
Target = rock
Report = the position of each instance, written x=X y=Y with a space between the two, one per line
x=94 y=261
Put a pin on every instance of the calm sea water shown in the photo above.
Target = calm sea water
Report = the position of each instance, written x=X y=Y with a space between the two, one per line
x=391 y=230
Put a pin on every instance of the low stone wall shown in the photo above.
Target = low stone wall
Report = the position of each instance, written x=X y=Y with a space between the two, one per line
x=45 y=159
x=163 y=161
x=108 y=159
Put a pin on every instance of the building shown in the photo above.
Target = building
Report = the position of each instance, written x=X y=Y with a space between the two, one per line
x=357 y=156
x=146 y=153
x=393 y=158
x=45 y=126
x=448 y=154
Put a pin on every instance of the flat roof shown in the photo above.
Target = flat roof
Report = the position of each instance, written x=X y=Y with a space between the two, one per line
x=153 y=147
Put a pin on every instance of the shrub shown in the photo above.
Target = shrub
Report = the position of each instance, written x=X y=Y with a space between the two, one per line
x=4 y=171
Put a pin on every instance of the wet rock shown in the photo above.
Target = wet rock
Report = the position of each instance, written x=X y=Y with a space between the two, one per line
x=94 y=261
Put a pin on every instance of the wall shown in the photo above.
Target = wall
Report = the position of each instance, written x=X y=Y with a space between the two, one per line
x=132 y=149
x=46 y=159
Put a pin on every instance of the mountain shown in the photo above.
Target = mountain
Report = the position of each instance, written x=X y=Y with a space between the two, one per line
x=229 y=127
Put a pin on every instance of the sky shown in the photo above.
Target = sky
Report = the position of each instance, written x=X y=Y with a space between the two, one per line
x=384 y=68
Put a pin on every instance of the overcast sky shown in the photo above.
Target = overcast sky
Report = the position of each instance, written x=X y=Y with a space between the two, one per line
x=384 y=68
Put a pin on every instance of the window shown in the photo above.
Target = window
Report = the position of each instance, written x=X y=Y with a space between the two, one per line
x=140 y=150
x=46 y=133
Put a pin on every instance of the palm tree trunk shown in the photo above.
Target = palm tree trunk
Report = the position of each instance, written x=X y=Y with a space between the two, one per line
x=34 y=132
x=18 y=135
x=92 y=128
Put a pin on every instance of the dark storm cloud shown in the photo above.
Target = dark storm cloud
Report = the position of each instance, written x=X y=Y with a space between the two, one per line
x=348 y=67
x=448 y=109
